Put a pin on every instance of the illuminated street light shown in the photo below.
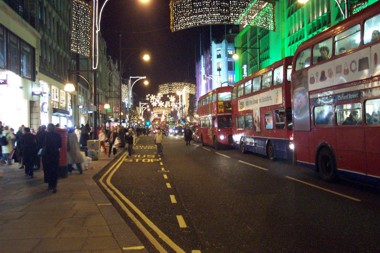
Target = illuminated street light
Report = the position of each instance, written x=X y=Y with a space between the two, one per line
x=146 y=57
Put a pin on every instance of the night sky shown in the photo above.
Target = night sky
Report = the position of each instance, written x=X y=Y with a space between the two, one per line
x=147 y=27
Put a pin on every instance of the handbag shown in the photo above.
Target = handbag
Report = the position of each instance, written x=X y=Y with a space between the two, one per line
x=41 y=151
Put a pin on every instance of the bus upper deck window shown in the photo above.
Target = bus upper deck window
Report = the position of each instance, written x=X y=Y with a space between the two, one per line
x=372 y=29
x=303 y=59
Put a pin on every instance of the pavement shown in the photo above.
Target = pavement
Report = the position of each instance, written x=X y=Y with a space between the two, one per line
x=78 y=218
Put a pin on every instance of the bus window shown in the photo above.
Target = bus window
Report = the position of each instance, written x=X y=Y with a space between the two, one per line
x=234 y=92
x=268 y=120
x=322 y=51
x=289 y=73
x=248 y=87
x=278 y=75
x=224 y=96
x=267 y=80
x=248 y=122
x=280 y=118
x=347 y=40
x=224 y=121
x=372 y=29
x=256 y=83
x=349 y=114
x=323 y=115
x=372 y=111
x=241 y=90
x=289 y=118
x=303 y=59
x=240 y=122
x=213 y=98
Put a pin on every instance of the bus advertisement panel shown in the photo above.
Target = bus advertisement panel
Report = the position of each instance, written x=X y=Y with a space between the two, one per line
x=215 y=118
x=262 y=118
x=336 y=98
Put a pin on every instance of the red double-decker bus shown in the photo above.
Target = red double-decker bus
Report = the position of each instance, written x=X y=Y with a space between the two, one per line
x=336 y=98
x=262 y=116
x=215 y=117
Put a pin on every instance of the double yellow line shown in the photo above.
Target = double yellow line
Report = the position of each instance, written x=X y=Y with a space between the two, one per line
x=127 y=206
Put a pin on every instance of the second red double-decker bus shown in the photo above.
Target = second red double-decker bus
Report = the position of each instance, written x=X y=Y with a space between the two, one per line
x=262 y=113
x=215 y=117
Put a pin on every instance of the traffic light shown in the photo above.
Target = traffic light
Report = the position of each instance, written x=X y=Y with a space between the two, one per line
x=147 y=122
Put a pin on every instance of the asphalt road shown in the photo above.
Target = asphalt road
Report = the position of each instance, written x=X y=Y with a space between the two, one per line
x=196 y=199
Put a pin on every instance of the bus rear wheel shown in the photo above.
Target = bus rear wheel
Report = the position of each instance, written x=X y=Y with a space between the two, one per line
x=326 y=165
x=216 y=143
x=270 y=151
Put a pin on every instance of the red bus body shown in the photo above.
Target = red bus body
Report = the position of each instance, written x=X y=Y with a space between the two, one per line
x=262 y=117
x=336 y=101
x=215 y=117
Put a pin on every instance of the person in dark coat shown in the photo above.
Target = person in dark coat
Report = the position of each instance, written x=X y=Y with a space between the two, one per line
x=50 y=160
x=129 y=141
x=29 y=151
x=40 y=142
x=85 y=135
x=188 y=135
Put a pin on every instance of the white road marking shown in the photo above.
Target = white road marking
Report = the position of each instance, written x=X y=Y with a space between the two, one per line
x=252 y=165
x=206 y=149
x=324 y=189
x=222 y=155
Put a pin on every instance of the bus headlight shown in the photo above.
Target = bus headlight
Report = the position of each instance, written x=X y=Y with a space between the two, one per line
x=291 y=146
x=221 y=137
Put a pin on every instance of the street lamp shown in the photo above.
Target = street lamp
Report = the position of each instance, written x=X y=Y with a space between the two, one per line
x=343 y=12
x=142 y=108
x=130 y=87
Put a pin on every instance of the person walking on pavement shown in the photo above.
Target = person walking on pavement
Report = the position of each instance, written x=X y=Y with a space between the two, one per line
x=74 y=155
x=188 y=135
x=129 y=140
x=53 y=144
x=6 y=149
x=102 y=140
x=29 y=151
x=158 y=141
x=112 y=139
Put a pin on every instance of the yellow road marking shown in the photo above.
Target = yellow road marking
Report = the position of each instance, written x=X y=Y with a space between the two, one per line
x=173 y=199
x=196 y=251
x=119 y=198
x=165 y=176
x=181 y=221
x=168 y=185
x=134 y=248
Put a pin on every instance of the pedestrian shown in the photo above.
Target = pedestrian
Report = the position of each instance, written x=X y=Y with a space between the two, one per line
x=52 y=145
x=129 y=140
x=103 y=140
x=188 y=135
x=158 y=141
x=6 y=148
x=111 y=141
x=74 y=155
x=41 y=136
x=19 y=155
x=85 y=135
x=29 y=151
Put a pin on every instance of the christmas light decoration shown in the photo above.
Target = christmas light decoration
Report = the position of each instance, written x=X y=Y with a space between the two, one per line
x=81 y=28
x=258 y=13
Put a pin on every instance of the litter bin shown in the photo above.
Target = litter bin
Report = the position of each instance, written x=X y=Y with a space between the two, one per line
x=62 y=167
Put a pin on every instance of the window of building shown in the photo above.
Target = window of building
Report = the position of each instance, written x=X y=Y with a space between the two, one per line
x=2 y=48
x=230 y=65
x=219 y=53
x=27 y=66
x=13 y=53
